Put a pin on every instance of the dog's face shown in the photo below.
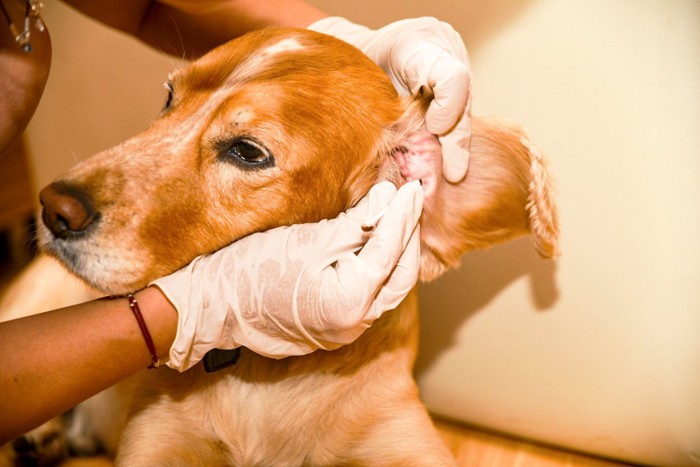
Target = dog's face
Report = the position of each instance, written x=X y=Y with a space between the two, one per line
x=274 y=128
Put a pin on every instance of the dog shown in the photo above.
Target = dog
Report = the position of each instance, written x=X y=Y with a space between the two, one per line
x=277 y=127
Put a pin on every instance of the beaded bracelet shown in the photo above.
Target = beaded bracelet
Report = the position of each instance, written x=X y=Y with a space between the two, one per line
x=134 y=305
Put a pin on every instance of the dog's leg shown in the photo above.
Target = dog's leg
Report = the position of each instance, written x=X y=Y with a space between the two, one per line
x=407 y=438
x=169 y=423
x=184 y=444
x=393 y=427
x=181 y=449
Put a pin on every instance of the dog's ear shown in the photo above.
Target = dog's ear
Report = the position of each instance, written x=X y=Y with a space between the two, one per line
x=505 y=194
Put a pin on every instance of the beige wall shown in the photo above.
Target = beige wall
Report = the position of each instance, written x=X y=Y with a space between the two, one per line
x=103 y=88
x=600 y=352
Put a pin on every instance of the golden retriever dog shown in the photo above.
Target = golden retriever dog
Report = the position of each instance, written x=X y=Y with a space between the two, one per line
x=277 y=127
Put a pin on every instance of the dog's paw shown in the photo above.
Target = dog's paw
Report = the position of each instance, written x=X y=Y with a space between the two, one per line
x=43 y=446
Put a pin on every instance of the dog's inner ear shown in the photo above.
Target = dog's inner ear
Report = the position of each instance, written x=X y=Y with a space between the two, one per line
x=401 y=157
x=505 y=194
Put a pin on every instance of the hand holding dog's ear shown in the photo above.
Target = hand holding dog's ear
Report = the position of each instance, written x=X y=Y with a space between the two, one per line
x=419 y=55
x=294 y=290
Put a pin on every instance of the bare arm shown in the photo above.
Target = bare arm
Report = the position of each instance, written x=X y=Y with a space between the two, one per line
x=189 y=28
x=54 y=360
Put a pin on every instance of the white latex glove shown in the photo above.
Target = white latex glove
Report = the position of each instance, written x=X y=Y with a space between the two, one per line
x=417 y=53
x=293 y=290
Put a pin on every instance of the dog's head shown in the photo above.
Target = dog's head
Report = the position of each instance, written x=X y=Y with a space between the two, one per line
x=274 y=128
x=277 y=127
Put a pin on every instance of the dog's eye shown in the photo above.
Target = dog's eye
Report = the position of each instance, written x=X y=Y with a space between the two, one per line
x=169 y=99
x=247 y=153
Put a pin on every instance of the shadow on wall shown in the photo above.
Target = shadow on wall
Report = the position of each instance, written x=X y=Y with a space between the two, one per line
x=483 y=275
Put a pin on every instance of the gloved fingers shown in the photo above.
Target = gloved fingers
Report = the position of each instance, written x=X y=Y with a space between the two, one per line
x=378 y=197
x=322 y=243
x=354 y=297
x=368 y=269
x=449 y=80
x=455 y=149
x=393 y=248
x=388 y=241
x=449 y=114
x=402 y=279
x=431 y=54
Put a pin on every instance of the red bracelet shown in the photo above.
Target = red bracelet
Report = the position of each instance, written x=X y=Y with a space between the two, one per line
x=134 y=305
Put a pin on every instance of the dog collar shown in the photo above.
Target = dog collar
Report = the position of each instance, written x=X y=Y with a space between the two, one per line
x=218 y=359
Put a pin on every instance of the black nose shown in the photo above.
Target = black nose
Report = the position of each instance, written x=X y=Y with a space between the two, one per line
x=67 y=210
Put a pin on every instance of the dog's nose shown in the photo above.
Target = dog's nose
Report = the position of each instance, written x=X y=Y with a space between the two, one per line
x=67 y=210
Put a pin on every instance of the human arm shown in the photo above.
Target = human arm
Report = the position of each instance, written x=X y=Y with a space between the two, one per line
x=54 y=360
x=189 y=28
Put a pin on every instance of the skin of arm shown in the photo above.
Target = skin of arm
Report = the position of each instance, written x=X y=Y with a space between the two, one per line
x=189 y=28
x=54 y=360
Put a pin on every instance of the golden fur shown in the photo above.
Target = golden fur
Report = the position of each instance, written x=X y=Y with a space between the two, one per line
x=332 y=121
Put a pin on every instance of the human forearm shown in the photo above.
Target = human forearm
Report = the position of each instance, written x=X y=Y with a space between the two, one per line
x=189 y=28
x=52 y=361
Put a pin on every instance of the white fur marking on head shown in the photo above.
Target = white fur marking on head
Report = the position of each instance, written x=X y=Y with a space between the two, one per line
x=243 y=72
x=285 y=45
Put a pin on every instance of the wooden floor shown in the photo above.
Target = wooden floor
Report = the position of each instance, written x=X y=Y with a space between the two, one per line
x=474 y=447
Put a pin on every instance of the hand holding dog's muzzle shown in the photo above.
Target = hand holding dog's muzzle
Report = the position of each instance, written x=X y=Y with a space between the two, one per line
x=422 y=55
x=294 y=290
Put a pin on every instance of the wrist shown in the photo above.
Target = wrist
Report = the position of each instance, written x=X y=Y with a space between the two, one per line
x=160 y=317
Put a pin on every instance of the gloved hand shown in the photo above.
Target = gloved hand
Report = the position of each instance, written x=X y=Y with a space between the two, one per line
x=416 y=53
x=293 y=290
